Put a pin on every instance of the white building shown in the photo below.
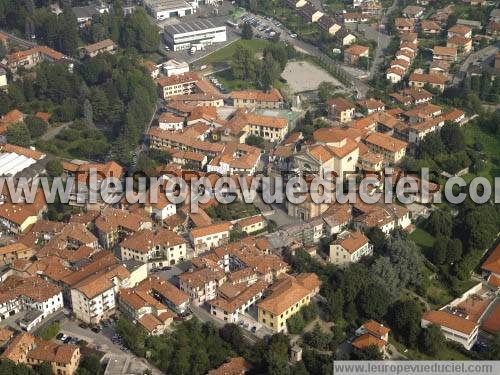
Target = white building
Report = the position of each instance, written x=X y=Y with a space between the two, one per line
x=3 y=77
x=173 y=67
x=163 y=9
x=453 y=327
x=201 y=31
x=93 y=301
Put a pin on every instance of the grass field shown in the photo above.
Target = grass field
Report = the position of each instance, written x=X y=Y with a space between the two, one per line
x=490 y=146
x=422 y=238
x=224 y=55
x=445 y=353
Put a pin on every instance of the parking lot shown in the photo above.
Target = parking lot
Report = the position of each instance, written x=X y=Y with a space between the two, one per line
x=303 y=76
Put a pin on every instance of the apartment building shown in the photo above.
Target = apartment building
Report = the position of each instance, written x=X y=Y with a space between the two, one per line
x=103 y=46
x=210 y=236
x=29 y=293
x=236 y=159
x=31 y=351
x=202 y=284
x=453 y=327
x=391 y=148
x=113 y=225
x=232 y=301
x=434 y=80
x=183 y=84
x=349 y=247
x=444 y=53
x=29 y=58
x=161 y=246
x=16 y=250
x=286 y=297
x=252 y=224
x=340 y=109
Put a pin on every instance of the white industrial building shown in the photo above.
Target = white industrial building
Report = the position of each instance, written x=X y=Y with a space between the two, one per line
x=203 y=32
x=12 y=163
x=163 y=9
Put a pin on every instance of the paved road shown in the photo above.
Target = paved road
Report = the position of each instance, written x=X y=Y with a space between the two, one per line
x=382 y=39
x=22 y=42
x=480 y=55
x=360 y=86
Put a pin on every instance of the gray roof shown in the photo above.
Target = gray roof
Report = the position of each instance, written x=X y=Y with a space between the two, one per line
x=85 y=12
x=190 y=26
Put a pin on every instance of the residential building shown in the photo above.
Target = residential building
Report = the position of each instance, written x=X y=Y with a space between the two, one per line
x=169 y=121
x=203 y=32
x=444 y=53
x=491 y=267
x=391 y=148
x=147 y=245
x=453 y=327
x=3 y=77
x=233 y=300
x=349 y=247
x=237 y=158
x=340 y=109
x=31 y=57
x=414 y=12
x=235 y=366
x=209 y=237
x=355 y=17
x=16 y=250
x=252 y=224
x=371 y=333
x=461 y=44
x=344 y=37
x=31 y=351
x=201 y=285
x=29 y=293
x=286 y=297
x=182 y=84
x=354 y=53
x=113 y=225
x=405 y=25
x=174 y=67
x=16 y=218
x=429 y=27
x=371 y=105
x=257 y=99
x=310 y=13
x=433 y=80
x=92 y=50
x=329 y=25
x=460 y=30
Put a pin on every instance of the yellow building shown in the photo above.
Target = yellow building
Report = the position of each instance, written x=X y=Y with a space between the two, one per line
x=287 y=296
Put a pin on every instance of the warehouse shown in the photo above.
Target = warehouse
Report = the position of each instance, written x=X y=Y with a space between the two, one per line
x=163 y=9
x=186 y=34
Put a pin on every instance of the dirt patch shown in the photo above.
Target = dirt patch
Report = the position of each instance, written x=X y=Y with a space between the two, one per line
x=305 y=76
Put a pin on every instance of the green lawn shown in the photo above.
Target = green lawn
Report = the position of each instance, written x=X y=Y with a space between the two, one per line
x=490 y=146
x=230 y=83
x=422 y=238
x=446 y=353
x=225 y=54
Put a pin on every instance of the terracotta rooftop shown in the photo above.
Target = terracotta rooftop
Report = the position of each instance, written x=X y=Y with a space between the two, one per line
x=443 y=318
x=262 y=96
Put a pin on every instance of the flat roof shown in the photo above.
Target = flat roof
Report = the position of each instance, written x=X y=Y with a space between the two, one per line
x=190 y=26
x=165 y=5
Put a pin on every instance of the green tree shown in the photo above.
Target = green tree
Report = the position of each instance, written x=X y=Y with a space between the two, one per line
x=18 y=134
x=440 y=223
x=404 y=318
x=430 y=146
x=140 y=33
x=439 y=250
x=36 y=126
x=246 y=31
x=454 y=251
x=373 y=302
x=452 y=137
x=91 y=363
x=326 y=90
x=371 y=353
x=431 y=340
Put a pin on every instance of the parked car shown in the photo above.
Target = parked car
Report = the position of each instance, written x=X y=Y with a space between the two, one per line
x=67 y=340
x=61 y=336
x=254 y=329
x=83 y=325
x=96 y=329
